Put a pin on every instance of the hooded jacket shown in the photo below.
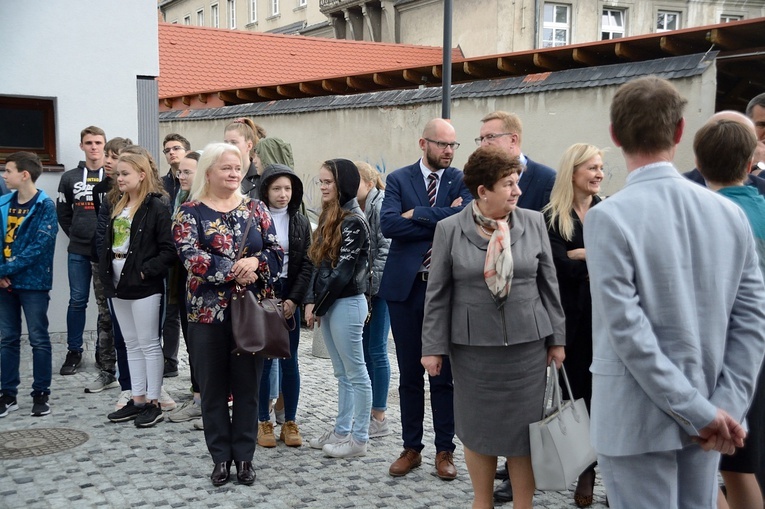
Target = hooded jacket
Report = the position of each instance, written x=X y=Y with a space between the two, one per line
x=379 y=245
x=350 y=274
x=75 y=209
x=30 y=266
x=300 y=267
x=151 y=253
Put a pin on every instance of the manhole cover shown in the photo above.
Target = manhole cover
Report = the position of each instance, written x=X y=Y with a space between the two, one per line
x=27 y=443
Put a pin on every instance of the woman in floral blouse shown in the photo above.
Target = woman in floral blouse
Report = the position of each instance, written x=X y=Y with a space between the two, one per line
x=208 y=233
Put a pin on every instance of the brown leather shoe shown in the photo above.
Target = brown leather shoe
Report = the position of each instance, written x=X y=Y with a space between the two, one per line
x=445 y=466
x=408 y=460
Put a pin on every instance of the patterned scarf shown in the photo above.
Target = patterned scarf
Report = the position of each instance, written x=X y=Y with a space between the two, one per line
x=498 y=268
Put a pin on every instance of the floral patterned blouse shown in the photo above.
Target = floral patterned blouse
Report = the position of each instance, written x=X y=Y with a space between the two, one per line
x=208 y=242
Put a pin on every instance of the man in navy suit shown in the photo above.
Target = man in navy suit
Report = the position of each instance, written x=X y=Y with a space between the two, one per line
x=504 y=130
x=409 y=219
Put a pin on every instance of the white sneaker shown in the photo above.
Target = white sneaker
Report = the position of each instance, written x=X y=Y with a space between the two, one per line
x=166 y=403
x=348 y=448
x=199 y=424
x=379 y=428
x=125 y=396
x=188 y=411
x=330 y=437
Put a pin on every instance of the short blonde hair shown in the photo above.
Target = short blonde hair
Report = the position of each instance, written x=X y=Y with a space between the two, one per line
x=510 y=121
x=211 y=155
x=370 y=174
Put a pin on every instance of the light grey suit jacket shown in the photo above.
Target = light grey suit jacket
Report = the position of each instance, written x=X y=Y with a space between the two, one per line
x=677 y=305
x=458 y=305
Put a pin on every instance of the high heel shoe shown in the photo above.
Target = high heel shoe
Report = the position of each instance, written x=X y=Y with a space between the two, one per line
x=244 y=472
x=581 y=497
x=220 y=473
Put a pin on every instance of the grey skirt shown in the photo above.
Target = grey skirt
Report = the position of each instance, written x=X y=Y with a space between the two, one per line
x=498 y=392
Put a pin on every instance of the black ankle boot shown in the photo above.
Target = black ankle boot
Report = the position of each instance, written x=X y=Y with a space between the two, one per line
x=220 y=473
x=244 y=472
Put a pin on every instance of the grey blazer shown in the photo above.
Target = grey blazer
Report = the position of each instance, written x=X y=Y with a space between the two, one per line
x=458 y=306
x=677 y=305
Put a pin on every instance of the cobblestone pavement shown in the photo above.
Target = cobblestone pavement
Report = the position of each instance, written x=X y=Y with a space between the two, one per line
x=168 y=466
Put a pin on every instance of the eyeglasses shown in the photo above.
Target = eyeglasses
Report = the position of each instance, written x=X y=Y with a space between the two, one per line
x=324 y=183
x=490 y=137
x=172 y=149
x=442 y=144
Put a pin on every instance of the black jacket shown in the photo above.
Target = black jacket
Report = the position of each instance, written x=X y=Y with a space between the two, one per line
x=251 y=182
x=299 y=269
x=152 y=252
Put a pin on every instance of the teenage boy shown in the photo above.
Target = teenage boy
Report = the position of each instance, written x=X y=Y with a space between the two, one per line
x=106 y=359
x=28 y=218
x=175 y=147
x=77 y=218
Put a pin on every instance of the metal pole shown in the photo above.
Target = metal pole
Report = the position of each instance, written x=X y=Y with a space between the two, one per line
x=446 y=73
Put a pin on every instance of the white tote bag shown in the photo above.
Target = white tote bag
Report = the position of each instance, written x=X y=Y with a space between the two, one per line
x=560 y=442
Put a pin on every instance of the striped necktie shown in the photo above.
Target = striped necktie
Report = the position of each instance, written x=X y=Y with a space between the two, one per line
x=432 y=186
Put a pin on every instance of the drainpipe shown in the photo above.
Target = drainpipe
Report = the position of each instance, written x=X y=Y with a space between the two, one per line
x=446 y=73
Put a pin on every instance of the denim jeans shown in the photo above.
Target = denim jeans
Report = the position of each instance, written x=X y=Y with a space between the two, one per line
x=376 y=353
x=80 y=274
x=342 y=328
x=34 y=304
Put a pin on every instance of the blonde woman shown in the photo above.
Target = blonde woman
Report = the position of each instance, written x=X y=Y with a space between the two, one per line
x=137 y=252
x=375 y=339
x=574 y=193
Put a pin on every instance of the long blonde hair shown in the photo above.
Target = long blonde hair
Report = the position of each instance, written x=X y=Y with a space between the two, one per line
x=562 y=195
x=150 y=184
x=370 y=174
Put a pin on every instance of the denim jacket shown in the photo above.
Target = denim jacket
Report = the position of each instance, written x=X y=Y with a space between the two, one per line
x=30 y=266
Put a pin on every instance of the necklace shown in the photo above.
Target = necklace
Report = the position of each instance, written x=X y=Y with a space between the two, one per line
x=488 y=234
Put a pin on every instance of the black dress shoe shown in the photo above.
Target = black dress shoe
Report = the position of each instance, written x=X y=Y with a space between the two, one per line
x=220 y=473
x=244 y=472
x=501 y=473
x=503 y=493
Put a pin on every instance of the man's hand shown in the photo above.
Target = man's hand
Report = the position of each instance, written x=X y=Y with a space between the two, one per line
x=408 y=214
x=432 y=364
x=723 y=434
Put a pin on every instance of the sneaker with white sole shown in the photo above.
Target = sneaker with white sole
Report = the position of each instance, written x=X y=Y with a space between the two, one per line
x=127 y=413
x=166 y=403
x=150 y=415
x=348 y=448
x=379 y=428
x=8 y=404
x=103 y=381
x=40 y=405
x=199 y=424
x=330 y=437
x=188 y=411
x=125 y=396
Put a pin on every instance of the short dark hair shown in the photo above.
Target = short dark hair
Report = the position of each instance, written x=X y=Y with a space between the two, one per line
x=117 y=145
x=758 y=100
x=486 y=166
x=92 y=130
x=179 y=138
x=645 y=114
x=723 y=150
x=192 y=155
x=28 y=162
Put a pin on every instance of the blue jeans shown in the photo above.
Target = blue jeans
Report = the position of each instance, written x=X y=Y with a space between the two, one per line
x=34 y=304
x=80 y=274
x=376 y=353
x=342 y=328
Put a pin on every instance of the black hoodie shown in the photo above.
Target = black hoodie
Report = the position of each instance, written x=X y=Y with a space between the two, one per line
x=350 y=275
x=299 y=268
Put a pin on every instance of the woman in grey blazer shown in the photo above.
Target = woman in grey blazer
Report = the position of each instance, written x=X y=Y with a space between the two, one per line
x=492 y=305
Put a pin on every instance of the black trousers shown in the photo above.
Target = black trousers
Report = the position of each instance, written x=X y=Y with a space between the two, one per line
x=220 y=373
x=406 y=322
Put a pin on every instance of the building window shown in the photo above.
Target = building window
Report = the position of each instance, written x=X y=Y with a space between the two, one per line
x=187 y=20
x=231 y=14
x=667 y=20
x=215 y=16
x=274 y=7
x=556 y=26
x=253 y=11
x=28 y=124
x=201 y=17
x=727 y=18
x=612 y=24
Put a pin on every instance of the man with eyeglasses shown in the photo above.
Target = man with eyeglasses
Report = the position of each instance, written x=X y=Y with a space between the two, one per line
x=175 y=148
x=416 y=198
x=504 y=130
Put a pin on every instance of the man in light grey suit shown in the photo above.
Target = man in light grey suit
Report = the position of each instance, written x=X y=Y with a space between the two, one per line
x=678 y=325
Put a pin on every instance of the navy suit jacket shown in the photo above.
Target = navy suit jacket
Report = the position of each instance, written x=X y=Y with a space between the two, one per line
x=411 y=238
x=752 y=180
x=536 y=185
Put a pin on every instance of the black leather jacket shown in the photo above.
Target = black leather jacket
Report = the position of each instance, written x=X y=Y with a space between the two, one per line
x=350 y=276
